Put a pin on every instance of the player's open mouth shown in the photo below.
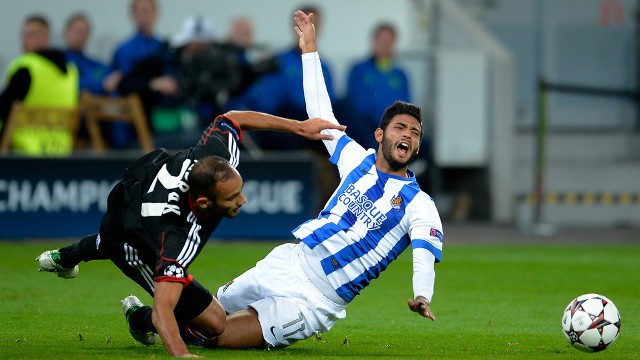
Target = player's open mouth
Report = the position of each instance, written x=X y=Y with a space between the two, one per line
x=403 y=147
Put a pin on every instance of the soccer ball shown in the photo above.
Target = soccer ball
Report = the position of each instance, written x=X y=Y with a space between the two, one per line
x=591 y=322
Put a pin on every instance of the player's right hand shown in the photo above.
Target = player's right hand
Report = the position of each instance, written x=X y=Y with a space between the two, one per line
x=311 y=129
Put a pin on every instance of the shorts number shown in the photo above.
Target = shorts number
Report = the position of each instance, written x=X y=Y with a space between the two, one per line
x=300 y=320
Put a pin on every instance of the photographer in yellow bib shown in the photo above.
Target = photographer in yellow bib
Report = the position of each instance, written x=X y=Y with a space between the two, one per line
x=41 y=77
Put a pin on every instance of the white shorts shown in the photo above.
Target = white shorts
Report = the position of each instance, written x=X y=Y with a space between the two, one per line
x=290 y=308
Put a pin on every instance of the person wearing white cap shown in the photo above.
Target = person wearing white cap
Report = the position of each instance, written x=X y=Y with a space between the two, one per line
x=195 y=30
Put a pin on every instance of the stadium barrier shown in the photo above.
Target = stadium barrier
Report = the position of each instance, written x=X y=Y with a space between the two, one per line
x=66 y=197
x=583 y=198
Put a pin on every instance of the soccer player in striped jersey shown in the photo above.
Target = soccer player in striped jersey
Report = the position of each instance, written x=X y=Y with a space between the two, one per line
x=376 y=212
x=158 y=219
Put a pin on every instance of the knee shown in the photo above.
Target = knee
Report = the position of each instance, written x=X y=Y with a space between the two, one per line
x=219 y=321
x=215 y=320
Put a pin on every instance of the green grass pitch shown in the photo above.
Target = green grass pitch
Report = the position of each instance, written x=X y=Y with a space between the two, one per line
x=491 y=302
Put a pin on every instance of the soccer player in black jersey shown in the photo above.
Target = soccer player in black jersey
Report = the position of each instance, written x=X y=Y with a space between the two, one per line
x=158 y=219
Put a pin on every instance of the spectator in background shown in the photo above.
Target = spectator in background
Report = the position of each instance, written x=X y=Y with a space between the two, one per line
x=92 y=72
x=252 y=60
x=241 y=33
x=204 y=71
x=209 y=72
x=40 y=77
x=372 y=84
x=142 y=65
x=278 y=93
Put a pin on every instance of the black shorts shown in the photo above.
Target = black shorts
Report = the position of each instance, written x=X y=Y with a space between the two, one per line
x=137 y=262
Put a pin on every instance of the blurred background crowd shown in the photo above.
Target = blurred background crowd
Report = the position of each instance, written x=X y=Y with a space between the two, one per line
x=186 y=79
x=512 y=91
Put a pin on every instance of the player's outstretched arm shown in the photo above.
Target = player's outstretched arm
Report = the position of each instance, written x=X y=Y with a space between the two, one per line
x=316 y=95
x=310 y=129
x=421 y=305
x=165 y=299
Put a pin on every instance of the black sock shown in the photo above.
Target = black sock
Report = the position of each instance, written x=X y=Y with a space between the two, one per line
x=141 y=320
x=83 y=250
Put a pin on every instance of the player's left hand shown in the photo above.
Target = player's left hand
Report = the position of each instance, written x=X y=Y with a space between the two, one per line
x=421 y=306
x=311 y=128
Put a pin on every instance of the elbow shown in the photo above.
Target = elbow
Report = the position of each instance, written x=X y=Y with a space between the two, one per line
x=238 y=117
x=231 y=113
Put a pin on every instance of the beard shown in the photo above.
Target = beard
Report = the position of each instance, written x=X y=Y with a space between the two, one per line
x=387 y=152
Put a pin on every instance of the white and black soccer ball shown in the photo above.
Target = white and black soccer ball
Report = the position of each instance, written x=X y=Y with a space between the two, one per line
x=591 y=322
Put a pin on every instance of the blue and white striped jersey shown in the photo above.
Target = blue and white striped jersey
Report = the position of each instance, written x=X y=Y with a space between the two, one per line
x=369 y=220
x=372 y=216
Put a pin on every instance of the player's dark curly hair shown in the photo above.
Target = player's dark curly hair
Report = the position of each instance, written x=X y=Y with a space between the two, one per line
x=206 y=173
x=399 y=108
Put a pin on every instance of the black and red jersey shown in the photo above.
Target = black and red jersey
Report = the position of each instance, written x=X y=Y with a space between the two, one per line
x=158 y=219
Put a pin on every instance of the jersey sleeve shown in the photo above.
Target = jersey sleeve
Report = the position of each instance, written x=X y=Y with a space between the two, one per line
x=220 y=138
x=179 y=247
x=424 y=274
x=425 y=230
x=317 y=98
x=425 y=227
x=168 y=268
x=343 y=151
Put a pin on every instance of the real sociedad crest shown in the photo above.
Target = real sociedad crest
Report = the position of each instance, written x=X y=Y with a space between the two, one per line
x=396 y=202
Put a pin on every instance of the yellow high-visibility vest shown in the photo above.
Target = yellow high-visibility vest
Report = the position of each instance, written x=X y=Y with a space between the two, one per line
x=49 y=87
